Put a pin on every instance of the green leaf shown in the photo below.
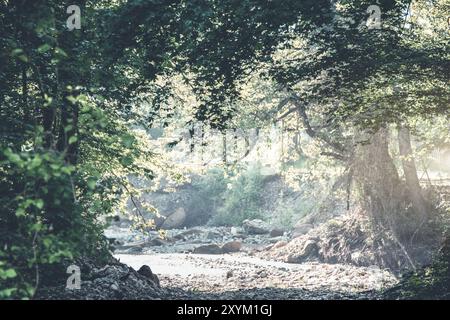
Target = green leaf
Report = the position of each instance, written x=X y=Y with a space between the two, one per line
x=44 y=48
x=36 y=162
x=20 y=212
x=128 y=140
x=73 y=139
x=23 y=58
x=6 y=293
x=47 y=242
x=68 y=128
x=16 y=52
x=91 y=183
x=9 y=273
x=13 y=157
x=61 y=52
x=127 y=161
x=39 y=203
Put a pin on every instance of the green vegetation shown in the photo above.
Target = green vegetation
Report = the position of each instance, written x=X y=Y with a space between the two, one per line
x=242 y=198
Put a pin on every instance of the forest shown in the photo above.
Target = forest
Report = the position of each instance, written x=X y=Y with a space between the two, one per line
x=225 y=149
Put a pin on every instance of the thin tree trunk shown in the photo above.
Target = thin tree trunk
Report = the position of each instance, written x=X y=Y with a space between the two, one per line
x=224 y=148
x=27 y=112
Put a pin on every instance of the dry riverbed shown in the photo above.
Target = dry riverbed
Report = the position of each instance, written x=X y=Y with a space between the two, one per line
x=238 y=276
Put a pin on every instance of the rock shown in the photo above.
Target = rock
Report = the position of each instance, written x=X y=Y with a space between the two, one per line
x=232 y=246
x=301 y=229
x=101 y=282
x=269 y=173
x=187 y=234
x=134 y=250
x=134 y=244
x=212 y=235
x=159 y=220
x=277 y=232
x=114 y=287
x=208 y=249
x=175 y=220
x=310 y=250
x=157 y=242
x=279 y=244
x=255 y=226
x=229 y=274
x=262 y=274
x=147 y=272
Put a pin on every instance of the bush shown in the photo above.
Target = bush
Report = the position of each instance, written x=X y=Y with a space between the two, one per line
x=429 y=282
x=242 y=199
x=50 y=209
x=208 y=196
x=40 y=223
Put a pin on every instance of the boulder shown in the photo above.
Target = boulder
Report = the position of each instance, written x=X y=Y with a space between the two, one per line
x=157 y=242
x=175 y=220
x=277 y=232
x=279 y=244
x=237 y=232
x=188 y=234
x=212 y=235
x=310 y=250
x=208 y=249
x=147 y=272
x=232 y=246
x=301 y=229
x=255 y=226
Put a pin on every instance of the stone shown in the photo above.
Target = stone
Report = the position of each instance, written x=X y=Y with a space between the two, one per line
x=301 y=229
x=262 y=274
x=232 y=246
x=187 y=234
x=147 y=272
x=134 y=250
x=212 y=235
x=114 y=287
x=279 y=244
x=157 y=242
x=208 y=249
x=310 y=250
x=277 y=232
x=175 y=220
x=255 y=226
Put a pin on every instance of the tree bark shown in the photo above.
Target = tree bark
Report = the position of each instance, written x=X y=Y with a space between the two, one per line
x=378 y=177
x=409 y=169
x=224 y=147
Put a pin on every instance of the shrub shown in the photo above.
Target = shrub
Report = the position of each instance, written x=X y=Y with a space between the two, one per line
x=40 y=223
x=208 y=195
x=242 y=199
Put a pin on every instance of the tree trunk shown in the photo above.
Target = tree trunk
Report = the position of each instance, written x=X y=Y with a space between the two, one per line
x=224 y=147
x=409 y=168
x=397 y=208
x=376 y=173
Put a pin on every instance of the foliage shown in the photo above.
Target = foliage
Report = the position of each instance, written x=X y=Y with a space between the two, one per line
x=66 y=147
x=208 y=195
x=242 y=199
x=429 y=282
